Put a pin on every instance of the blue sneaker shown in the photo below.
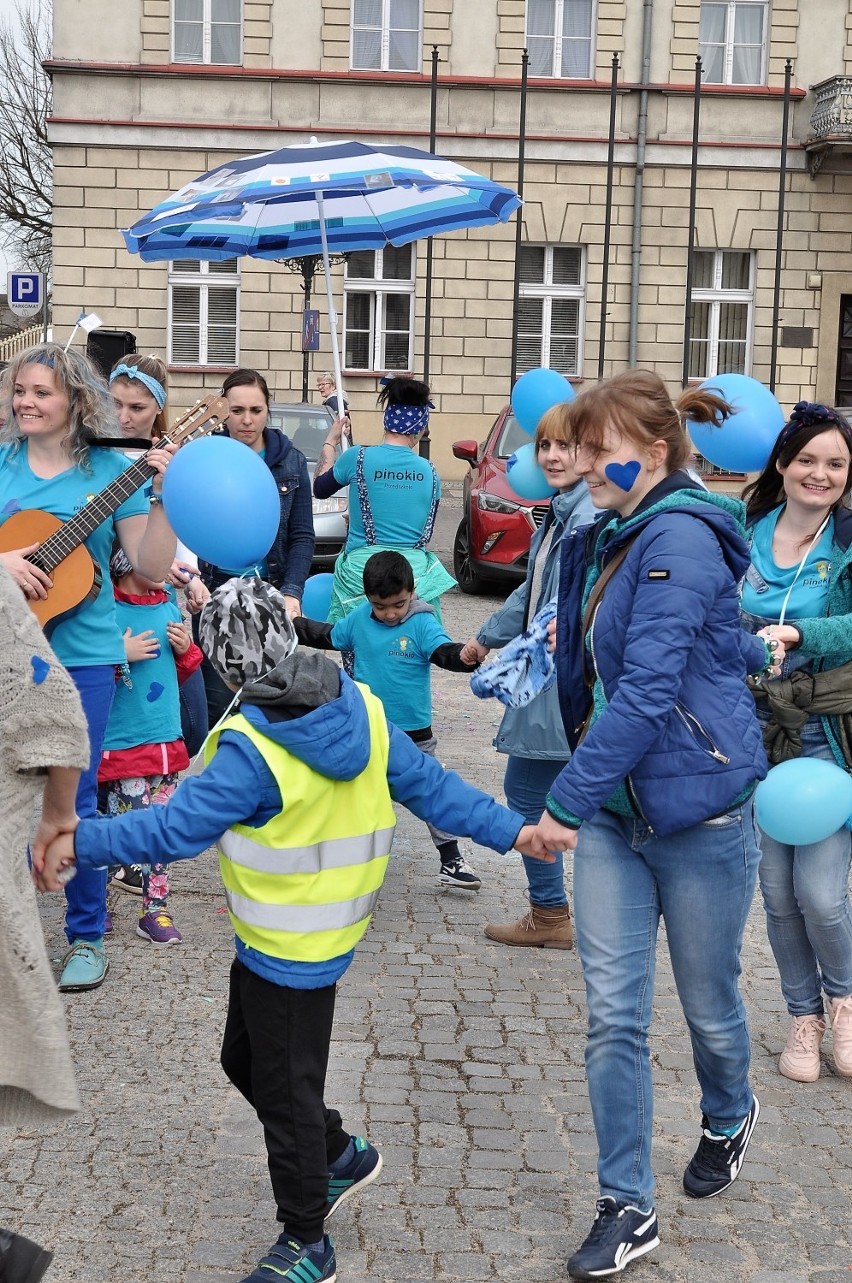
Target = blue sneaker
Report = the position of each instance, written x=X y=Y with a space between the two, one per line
x=717 y=1162
x=289 y=1259
x=618 y=1235
x=84 y=966
x=361 y=1170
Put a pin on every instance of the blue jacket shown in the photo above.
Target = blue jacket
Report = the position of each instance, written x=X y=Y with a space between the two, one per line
x=237 y=787
x=536 y=729
x=674 y=717
x=289 y=559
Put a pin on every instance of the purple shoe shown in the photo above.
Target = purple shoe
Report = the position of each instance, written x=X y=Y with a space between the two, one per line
x=158 y=928
x=108 y=927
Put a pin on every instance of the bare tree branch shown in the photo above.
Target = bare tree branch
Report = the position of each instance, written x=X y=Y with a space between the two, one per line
x=26 y=167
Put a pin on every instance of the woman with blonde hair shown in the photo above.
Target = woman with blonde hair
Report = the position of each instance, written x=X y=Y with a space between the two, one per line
x=533 y=736
x=55 y=408
x=657 y=798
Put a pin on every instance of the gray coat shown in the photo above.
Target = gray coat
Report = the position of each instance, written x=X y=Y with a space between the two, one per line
x=536 y=730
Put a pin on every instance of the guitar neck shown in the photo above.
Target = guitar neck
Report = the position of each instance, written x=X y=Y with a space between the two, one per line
x=83 y=523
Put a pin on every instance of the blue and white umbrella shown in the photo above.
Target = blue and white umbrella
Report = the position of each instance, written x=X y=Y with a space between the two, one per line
x=314 y=198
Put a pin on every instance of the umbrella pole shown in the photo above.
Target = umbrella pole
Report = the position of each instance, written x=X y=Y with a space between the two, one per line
x=332 y=311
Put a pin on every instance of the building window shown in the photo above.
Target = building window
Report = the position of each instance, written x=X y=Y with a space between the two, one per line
x=732 y=41
x=203 y=313
x=207 y=31
x=559 y=38
x=551 y=307
x=378 y=321
x=386 y=35
x=721 y=313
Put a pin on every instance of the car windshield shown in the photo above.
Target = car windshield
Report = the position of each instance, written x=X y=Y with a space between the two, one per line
x=511 y=438
x=306 y=427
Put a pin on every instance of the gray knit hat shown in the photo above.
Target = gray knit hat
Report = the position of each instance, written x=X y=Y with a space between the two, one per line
x=244 y=630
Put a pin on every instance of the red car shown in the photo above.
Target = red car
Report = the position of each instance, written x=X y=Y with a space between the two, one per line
x=493 y=539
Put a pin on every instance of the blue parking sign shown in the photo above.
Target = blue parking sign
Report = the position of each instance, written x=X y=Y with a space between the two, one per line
x=25 y=292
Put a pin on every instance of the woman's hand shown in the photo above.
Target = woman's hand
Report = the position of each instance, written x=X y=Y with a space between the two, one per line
x=294 y=606
x=779 y=638
x=551 y=635
x=179 y=638
x=197 y=595
x=550 y=835
x=473 y=651
x=140 y=645
x=34 y=583
x=159 y=458
x=57 y=864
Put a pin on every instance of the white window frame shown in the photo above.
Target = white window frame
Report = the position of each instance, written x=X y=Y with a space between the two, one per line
x=384 y=60
x=207 y=37
x=556 y=64
x=548 y=291
x=203 y=280
x=716 y=296
x=729 y=46
x=379 y=287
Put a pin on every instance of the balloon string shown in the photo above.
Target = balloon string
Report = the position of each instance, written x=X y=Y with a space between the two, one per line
x=801 y=567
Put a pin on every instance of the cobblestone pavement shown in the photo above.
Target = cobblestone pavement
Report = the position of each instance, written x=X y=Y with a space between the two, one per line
x=462 y=1061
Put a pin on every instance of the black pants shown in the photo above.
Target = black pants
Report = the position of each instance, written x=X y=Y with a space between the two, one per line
x=275 y=1052
x=216 y=692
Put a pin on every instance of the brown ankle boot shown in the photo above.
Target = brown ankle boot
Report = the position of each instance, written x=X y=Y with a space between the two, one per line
x=539 y=928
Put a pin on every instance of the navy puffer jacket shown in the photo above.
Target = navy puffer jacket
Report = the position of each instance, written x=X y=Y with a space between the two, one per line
x=674 y=718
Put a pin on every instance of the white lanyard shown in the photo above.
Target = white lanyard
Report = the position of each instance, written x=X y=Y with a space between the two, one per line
x=801 y=567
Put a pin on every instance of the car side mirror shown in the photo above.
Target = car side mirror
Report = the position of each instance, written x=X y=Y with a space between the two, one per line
x=467 y=450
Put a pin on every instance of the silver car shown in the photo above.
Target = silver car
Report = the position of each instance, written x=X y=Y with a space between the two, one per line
x=307 y=427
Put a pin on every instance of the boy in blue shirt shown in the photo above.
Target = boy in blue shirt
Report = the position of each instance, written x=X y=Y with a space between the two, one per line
x=297 y=791
x=389 y=643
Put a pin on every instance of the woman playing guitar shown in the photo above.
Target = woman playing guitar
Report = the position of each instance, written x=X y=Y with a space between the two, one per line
x=56 y=407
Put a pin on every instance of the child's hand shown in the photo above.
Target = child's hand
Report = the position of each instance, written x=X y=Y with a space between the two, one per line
x=529 y=844
x=197 y=593
x=179 y=638
x=57 y=864
x=473 y=651
x=140 y=645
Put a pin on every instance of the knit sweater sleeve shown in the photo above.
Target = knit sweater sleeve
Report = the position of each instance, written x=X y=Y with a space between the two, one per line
x=42 y=718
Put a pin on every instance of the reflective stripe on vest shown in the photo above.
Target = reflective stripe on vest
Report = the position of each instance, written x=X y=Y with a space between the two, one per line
x=303 y=885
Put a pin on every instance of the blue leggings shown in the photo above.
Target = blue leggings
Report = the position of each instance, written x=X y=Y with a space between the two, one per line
x=526 y=784
x=85 y=914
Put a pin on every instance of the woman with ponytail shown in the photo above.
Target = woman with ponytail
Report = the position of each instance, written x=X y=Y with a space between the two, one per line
x=657 y=798
x=393 y=498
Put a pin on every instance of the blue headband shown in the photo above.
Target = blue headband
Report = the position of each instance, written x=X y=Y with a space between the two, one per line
x=154 y=386
x=407 y=420
x=808 y=414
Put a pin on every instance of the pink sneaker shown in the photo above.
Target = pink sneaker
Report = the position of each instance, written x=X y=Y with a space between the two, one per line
x=800 y=1058
x=840 y=1010
x=158 y=927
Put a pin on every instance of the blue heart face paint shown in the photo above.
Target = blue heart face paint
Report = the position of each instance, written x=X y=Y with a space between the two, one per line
x=40 y=669
x=623 y=475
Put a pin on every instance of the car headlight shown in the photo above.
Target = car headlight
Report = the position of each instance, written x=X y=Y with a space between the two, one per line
x=493 y=503
x=337 y=503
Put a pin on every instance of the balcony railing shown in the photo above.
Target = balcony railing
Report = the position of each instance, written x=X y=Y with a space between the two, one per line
x=831 y=119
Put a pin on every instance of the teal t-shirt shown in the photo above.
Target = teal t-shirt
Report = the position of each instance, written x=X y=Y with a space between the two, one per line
x=400 y=487
x=767 y=584
x=394 y=661
x=91 y=636
x=148 y=710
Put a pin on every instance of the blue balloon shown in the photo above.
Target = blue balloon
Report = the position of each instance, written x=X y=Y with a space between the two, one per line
x=744 y=442
x=537 y=391
x=316 y=598
x=525 y=476
x=222 y=502
x=804 y=800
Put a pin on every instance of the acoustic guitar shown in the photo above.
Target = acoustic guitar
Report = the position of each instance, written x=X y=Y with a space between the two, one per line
x=62 y=553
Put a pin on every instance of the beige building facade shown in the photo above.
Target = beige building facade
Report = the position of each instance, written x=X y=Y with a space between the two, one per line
x=150 y=93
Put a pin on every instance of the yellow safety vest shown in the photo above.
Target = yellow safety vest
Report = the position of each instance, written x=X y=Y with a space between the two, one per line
x=304 y=885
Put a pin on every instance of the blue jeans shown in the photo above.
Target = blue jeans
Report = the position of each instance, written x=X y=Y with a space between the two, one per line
x=526 y=784
x=193 y=712
x=85 y=894
x=701 y=881
x=808 y=914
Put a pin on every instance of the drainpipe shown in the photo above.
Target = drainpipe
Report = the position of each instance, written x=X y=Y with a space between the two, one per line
x=641 y=137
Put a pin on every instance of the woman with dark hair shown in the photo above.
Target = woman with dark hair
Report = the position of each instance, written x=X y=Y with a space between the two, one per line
x=55 y=407
x=288 y=562
x=393 y=497
x=657 y=798
x=798 y=590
